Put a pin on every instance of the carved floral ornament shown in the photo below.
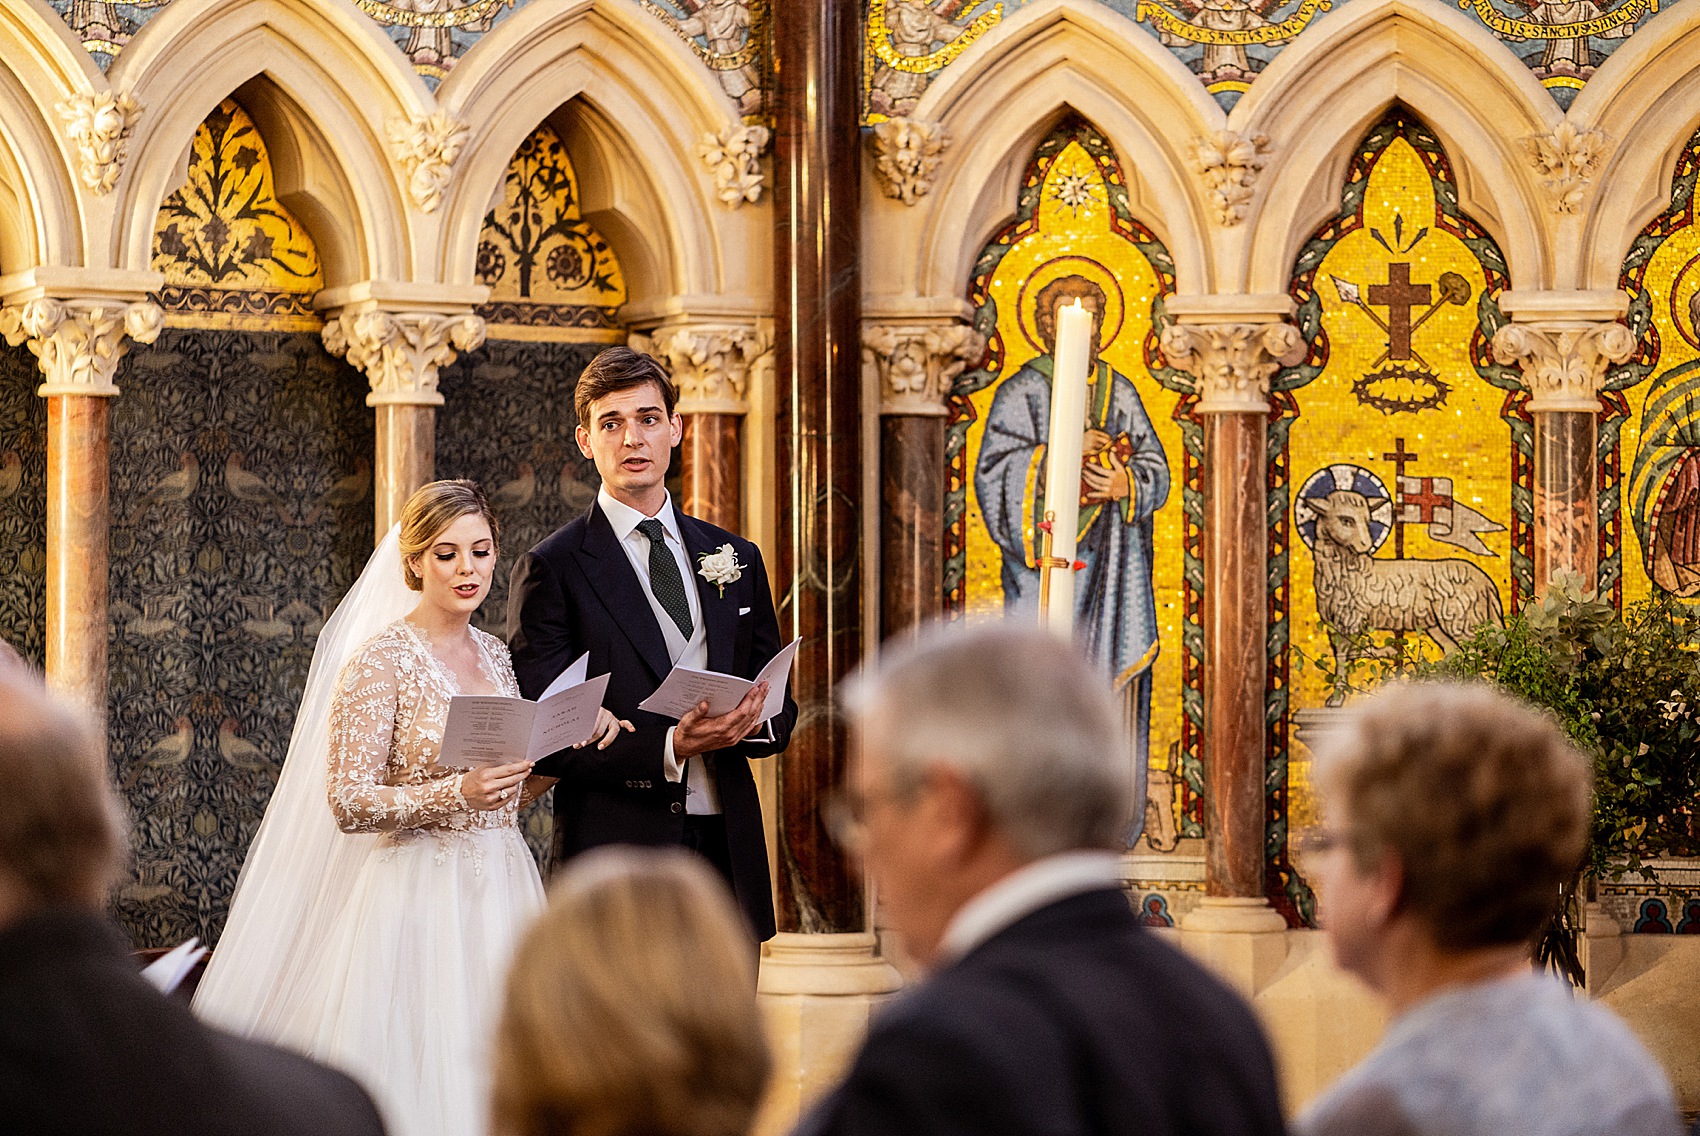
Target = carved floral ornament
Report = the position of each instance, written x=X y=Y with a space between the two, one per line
x=918 y=362
x=1233 y=362
x=427 y=146
x=1228 y=164
x=733 y=156
x=1563 y=364
x=1567 y=160
x=98 y=124
x=907 y=153
x=713 y=365
x=79 y=342
x=401 y=352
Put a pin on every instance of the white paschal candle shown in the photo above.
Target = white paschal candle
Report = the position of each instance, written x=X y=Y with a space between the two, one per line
x=1063 y=454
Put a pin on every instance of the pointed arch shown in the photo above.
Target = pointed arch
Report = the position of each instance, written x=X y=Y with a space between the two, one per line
x=1004 y=95
x=321 y=81
x=1323 y=92
x=1646 y=99
x=41 y=64
x=634 y=104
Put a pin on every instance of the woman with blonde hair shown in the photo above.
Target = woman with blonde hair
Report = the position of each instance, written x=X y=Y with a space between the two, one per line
x=381 y=898
x=631 y=1006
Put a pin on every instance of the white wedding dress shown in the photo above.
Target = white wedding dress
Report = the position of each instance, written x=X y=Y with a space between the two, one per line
x=383 y=949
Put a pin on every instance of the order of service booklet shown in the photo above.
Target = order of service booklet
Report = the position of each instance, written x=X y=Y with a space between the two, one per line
x=684 y=688
x=489 y=729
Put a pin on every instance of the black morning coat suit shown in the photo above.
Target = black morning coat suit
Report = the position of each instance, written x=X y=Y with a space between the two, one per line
x=1075 y=1020
x=88 y=1048
x=577 y=592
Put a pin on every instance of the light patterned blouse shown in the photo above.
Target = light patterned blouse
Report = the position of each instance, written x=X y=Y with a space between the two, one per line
x=386 y=730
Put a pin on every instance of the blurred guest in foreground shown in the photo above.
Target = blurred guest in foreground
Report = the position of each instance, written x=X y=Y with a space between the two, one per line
x=1452 y=815
x=631 y=1006
x=989 y=797
x=86 y=1045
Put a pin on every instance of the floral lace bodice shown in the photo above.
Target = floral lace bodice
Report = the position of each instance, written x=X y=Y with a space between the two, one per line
x=386 y=730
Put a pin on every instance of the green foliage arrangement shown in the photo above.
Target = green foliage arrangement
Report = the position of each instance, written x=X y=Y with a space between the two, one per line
x=1627 y=691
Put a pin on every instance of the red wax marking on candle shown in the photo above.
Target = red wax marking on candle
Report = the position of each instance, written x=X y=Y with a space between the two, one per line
x=1044 y=526
x=1079 y=564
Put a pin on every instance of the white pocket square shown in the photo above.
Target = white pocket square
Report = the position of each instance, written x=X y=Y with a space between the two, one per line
x=743 y=611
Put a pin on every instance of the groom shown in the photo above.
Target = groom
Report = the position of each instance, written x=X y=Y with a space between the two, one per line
x=626 y=582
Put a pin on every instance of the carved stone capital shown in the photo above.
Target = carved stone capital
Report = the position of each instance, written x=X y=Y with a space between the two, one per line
x=907 y=153
x=713 y=364
x=1567 y=160
x=401 y=352
x=1563 y=364
x=1232 y=362
x=78 y=342
x=1228 y=164
x=917 y=363
x=427 y=145
x=98 y=124
x=733 y=156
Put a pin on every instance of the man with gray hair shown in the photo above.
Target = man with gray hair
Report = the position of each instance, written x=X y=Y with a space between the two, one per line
x=87 y=1047
x=989 y=798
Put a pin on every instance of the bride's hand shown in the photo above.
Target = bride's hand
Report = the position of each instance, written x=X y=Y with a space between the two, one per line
x=493 y=786
x=608 y=728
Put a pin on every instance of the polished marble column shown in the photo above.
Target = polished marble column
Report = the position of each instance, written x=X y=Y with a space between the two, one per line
x=818 y=568
x=915 y=362
x=1566 y=495
x=713 y=469
x=400 y=345
x=79 y=340
x=1232 y=363
x=1564 y=356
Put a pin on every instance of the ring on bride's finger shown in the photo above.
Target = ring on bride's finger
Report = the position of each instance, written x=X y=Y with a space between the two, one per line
x=503 y=794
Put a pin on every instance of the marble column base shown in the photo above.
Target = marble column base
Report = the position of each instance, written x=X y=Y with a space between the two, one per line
x=817 y=994
x=713 y=469
x=912 y=472
x=1600 y=947
x=1244 y=941
x=1566 y=496
x=406 y=458
x=77 y=515
x=1235 y=631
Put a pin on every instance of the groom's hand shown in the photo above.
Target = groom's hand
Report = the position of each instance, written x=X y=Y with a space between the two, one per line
x=698 y=733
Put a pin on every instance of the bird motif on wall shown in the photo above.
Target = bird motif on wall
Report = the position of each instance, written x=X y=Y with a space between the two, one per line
x=171 y=488
x=269 y=627
x=11 y=473
x=299 y=613
x=156 y=617
x=239 y=751
x=575 y=493
x=345 y=491
x=517 y=493
x=172 y=749
x=246 y=486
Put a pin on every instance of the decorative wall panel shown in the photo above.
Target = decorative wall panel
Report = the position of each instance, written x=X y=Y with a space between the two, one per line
x=241 y=513
x=1400 y=454
x=23 y=505
x=1139 y=596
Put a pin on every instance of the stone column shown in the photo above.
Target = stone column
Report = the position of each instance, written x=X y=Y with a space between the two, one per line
x=712 y=365
x=821 y=975
x=1232 y=362
x=916 y=364
x=401 y=349
x=78 y=341
x=1564 y=349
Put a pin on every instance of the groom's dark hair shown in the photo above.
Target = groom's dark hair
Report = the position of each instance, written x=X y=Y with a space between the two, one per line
x=618 y=369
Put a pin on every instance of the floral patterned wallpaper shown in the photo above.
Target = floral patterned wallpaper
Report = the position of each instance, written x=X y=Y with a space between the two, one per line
x=23 y=505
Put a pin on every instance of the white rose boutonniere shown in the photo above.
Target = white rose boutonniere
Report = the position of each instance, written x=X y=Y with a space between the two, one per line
x=720 y=567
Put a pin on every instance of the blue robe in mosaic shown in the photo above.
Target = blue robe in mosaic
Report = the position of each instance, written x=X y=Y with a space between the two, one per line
x=1115 y=609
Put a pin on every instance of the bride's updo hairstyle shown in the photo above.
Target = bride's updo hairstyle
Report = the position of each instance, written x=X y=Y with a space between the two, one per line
x=433 y=508
x=631 y=1006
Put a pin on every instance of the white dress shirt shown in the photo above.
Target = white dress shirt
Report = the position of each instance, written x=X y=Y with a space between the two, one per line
x=1024 y=891
x=701 y=797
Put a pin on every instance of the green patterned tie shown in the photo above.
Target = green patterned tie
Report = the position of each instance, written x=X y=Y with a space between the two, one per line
x=664 y=579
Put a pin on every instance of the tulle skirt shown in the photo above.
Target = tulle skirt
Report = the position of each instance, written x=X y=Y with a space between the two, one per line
x=411 y=981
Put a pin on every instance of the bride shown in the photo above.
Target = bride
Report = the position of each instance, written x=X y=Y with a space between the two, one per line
x=374 y=917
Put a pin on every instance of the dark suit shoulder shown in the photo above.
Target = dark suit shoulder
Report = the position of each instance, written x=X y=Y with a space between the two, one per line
x=564 y=539
x=296 y=1094
x=714 y=534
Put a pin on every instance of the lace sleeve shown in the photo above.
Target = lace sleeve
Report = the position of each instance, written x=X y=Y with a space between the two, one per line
x=362 y=730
